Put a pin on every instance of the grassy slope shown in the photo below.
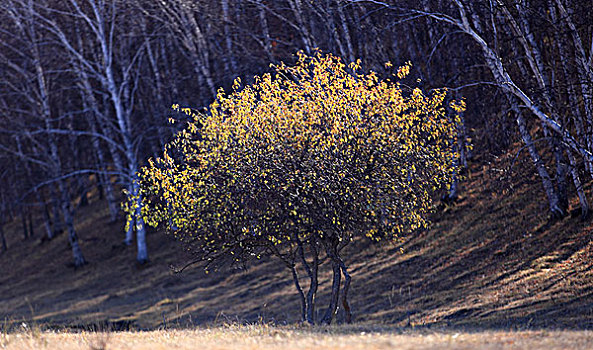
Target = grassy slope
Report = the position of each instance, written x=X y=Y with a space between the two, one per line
x=258 y=337
x=491 y=260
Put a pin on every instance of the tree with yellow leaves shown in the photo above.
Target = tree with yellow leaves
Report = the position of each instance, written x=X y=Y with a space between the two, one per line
x=299 y=164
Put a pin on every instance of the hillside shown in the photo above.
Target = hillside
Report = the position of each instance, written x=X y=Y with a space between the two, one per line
x=491 y=260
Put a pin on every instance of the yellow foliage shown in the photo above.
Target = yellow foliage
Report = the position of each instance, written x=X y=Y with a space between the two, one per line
x=316 y=148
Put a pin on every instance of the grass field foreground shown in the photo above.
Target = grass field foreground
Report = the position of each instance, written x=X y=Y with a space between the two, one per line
x=288 y=338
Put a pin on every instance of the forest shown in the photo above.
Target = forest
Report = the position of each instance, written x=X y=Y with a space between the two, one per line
x=87 y=89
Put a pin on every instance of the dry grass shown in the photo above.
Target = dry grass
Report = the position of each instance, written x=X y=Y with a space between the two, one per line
x=288 y=338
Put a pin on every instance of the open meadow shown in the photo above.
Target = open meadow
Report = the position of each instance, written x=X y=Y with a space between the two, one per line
x=290 y=338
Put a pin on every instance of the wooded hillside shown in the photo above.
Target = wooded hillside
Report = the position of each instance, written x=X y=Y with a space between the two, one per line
x=86 y=89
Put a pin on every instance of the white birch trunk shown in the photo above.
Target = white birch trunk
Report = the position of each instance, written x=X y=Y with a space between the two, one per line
x=77 y=255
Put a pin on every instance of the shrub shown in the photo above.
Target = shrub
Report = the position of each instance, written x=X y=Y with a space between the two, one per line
x=300 y=163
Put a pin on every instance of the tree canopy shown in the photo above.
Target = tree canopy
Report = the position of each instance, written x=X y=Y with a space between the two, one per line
x=319 y=152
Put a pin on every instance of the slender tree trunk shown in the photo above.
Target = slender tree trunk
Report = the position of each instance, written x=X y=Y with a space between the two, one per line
x=536 y=63
x=265 y=30
x=345 y=289
x=31 y=228
x=46 y=217
x=124 y=126
x=333 y=30
x=312 y=271
x=161 y=134
x=297 y=10
x=464 y=153
x=90 y=102
x=553 y=201
x=453 y=194
x=578 y=186
x=345 y=31
x=314 y=283
x=112 y=203
x=47 y=221
x=58 y=224
x=77 y=255
x=24 y=224
x=332 y=309
x=561 y=174
x=230 y=62
x=295 y=278
x=2 y=238
x=142 y=256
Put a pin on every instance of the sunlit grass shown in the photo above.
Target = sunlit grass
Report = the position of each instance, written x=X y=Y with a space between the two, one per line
x=297 y=337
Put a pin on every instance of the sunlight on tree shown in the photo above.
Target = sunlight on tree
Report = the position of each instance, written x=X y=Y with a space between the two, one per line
x=313 y=154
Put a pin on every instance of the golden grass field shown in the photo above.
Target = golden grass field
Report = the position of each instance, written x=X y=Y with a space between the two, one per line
x=289 y=338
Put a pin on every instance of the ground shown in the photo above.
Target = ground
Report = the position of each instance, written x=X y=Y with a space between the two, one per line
x=289 y=338
x=493 y=261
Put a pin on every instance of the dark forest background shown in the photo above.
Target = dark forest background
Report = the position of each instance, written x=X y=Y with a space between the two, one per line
x=86 y=85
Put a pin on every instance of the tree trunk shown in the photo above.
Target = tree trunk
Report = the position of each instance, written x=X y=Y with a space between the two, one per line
x=265 y=30
x=94 y=122
x=295 y=278
x=578 y=186
x=553 y=201
x=2 y=238
x=230 y=63
x=46 y=217
x=333 y=31
x=314 y=283
x=312 y=271
x=332 y=309
x=79 y=259
x=123 y=122
x=452 y=194
x=345 y=289
x=24 y=224
x=297 y=10
x=561 y=175
x=346 y=32
x=142 y=256
x=31 y=230
x=58 y=224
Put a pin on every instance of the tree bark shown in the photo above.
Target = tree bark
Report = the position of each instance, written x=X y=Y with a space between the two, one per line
x=230 y=62
x=77 y=255
x=142 y=256
x=578 y=186
x=58 y=224
x=46 y=217
x=312 y=271
x=314 y=284
x=345 y=289
x=31 y=228
x=24 y=224
x=346 y=32
x=2 y=238
x=265 y=30
x=295 y=278
x=332 y=309
x=553 y=201
x=297 y=10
